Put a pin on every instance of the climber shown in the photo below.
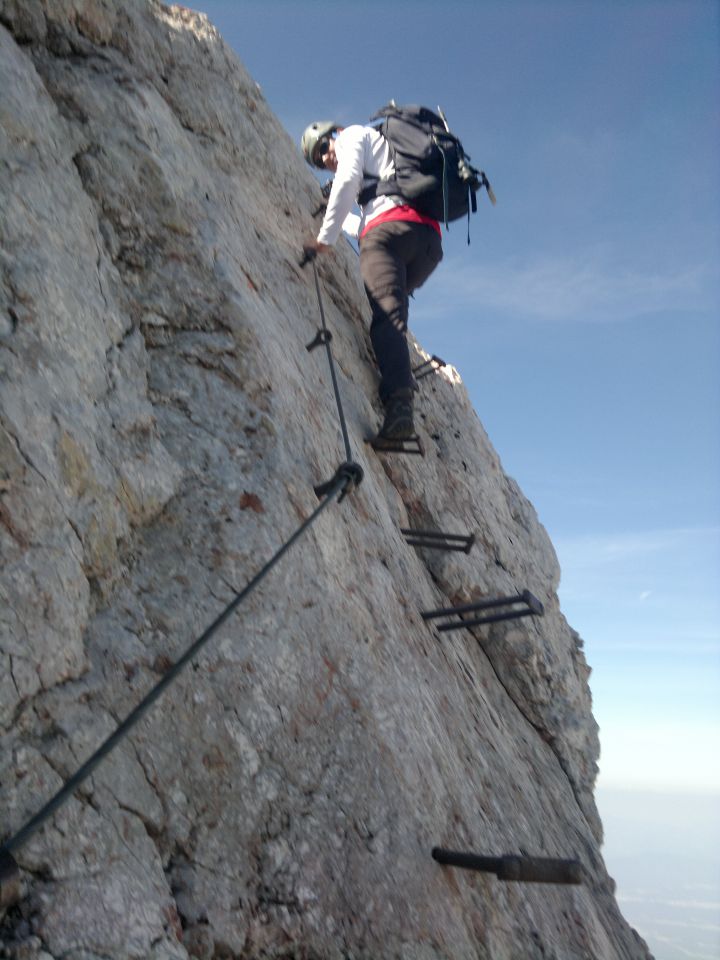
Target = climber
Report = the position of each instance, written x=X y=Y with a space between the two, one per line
x=399 y=249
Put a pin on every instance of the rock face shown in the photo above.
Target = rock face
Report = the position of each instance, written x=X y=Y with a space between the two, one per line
x=161 y=430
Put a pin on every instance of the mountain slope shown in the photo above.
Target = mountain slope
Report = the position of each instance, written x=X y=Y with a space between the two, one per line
x=161 y=429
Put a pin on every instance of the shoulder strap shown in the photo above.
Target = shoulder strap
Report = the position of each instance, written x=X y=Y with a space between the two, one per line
x=368 y=192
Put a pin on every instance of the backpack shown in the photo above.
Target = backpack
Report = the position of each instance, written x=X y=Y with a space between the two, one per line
x=432 y=173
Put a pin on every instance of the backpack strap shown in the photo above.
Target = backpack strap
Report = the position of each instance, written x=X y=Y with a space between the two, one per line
x=368 y=192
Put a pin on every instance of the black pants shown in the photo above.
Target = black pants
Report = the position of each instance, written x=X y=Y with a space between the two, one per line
x=395 y=258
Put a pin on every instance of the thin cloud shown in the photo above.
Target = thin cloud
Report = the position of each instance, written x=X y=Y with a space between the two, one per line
x=608 y=549
x=660 y=755
x=583 y=289
x=662 y=583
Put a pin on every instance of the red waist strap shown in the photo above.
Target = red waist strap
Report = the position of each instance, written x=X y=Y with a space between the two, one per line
x=403 y=212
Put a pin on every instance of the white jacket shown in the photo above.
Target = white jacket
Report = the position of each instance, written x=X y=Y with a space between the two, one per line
x=359 y=150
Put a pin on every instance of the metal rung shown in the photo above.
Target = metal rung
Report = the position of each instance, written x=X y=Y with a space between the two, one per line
x=524 y=869
x=429 y=366
x=533 y=608
x=411 y=445
x=436 y=540
x=480 y=621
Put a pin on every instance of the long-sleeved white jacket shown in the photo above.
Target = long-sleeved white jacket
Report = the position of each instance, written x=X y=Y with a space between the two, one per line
x=359 y=150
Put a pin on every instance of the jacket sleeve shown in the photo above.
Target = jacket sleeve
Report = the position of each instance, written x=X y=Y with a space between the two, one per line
x=346 y=184
x=351 y=225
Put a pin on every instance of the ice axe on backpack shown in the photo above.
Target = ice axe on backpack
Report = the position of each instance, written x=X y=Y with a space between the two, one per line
x=484 y=182
x=475 y=178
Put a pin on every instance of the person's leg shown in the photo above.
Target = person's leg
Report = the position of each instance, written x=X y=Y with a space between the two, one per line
x=395 y=259
x=426 y=255
x=384 y=274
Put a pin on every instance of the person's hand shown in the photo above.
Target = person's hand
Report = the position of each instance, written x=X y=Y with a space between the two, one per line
x=311 y=249
x=316 y=247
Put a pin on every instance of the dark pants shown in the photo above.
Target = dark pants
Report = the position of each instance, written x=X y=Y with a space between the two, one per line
x=395 y=258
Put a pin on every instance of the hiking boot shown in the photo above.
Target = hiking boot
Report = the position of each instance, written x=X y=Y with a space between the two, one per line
x=398 y=423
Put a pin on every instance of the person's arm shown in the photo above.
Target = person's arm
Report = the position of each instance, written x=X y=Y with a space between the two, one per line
x=351 y=225
x=347 y=183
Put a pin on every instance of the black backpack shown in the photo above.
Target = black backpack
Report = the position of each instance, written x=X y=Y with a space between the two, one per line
x=432 y=173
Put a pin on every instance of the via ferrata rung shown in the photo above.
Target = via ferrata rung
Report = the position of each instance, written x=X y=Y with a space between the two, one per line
x=384 y=445
x=429 y=366
x=532 y=608
x=509 y=867
x=437 y=540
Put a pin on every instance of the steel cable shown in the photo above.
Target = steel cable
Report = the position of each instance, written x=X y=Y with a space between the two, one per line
x=331 y=362
x=347 y=476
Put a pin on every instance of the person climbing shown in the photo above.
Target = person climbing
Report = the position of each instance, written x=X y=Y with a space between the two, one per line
x=399 y=249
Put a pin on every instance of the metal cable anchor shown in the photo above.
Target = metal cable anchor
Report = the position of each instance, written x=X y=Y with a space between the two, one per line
x=351 y=472
x=323 y=338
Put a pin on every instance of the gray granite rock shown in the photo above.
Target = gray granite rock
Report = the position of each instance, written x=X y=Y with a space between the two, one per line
x=161 y=430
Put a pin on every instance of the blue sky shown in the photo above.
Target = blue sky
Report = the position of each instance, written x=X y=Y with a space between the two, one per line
x=584 y=317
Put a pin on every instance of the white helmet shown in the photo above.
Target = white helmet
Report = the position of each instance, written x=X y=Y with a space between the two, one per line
x=314 y=135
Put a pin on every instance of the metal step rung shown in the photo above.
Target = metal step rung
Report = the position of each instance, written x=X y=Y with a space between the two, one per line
x=411 y=445
x=533 y=608
x=523 y=869
x=436 y=540
x=429 y=366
